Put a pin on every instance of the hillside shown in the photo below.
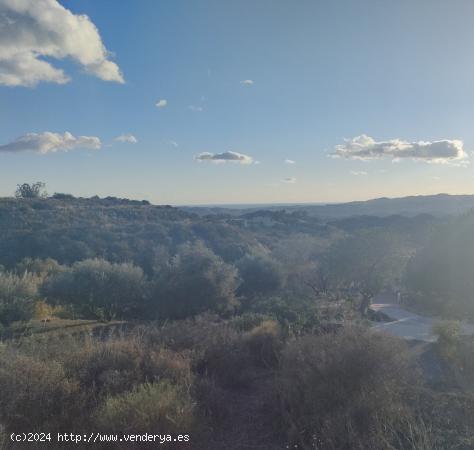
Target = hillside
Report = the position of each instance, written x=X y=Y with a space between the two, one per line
x=436 y=205
x=71 y=229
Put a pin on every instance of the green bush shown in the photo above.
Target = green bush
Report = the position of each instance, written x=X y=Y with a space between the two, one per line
x=17 y=295
x=447 y=331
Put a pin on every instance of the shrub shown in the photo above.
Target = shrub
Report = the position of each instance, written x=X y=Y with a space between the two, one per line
x=247 y=321
x=151 y=406
x=447 y=331
x=17 y=296
x=119 y=364
x=35 y=394
x=264 y=343
x=345 y=391
x=226 y=360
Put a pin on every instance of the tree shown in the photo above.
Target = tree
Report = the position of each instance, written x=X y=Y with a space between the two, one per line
x=440 y=276
x=364 y=263
x=194 y=280
x=261 y=275
x=99 y=289
x=35 y=190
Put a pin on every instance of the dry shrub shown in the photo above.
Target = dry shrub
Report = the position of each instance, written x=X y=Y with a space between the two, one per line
x=213 y=400
x=36 y=394
x=264 y=343
x=448 y=333
x=345 y=391
x=190 y=334
x=226 y=360
x=119 y=364
x=169 y=365
x=152 y=407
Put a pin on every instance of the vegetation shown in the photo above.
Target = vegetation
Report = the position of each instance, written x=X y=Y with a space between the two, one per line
x=441 y=274
x=349 y=390
x=239 y=330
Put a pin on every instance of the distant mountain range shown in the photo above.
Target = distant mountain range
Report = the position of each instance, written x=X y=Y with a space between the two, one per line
x=436 y=205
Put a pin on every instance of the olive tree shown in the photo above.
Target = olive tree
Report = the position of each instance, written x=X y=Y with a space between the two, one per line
x=261 y=275
x=194 y=280
x=98 y=288
x=362 y=264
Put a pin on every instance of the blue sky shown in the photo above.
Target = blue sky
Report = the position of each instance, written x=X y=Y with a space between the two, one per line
x=398 y=72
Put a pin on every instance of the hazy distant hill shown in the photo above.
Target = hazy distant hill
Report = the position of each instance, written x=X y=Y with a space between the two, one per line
x=436 y=205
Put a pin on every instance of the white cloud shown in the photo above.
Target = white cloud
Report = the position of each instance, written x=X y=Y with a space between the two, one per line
x=226 y=157
x=357 y=172
x=34 y=29
x=129 y=138
x=173 y=143
x=195 y=108
x=161 y=103
x=365 y=148
x=289 y=180
x=48 y=142
x=289 y=161
x=247 y=82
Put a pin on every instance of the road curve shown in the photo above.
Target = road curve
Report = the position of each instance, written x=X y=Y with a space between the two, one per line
x=405 y=324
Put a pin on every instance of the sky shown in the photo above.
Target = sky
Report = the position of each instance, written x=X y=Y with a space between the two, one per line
x=237 y=101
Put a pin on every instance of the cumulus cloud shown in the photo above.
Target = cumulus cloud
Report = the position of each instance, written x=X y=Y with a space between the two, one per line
x=129 y=138
x=289 y=180
x=358 y=172
x=289 y=161
x=226 y=157
x=48 y=142
x=195 y=108
x=247 y=82
x=34 y=29
x=365 y=148
x=161 y=103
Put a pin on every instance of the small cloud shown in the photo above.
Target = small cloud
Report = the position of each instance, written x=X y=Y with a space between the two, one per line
x=365 y=148
x=289 y=180
x=48 y=142
x=173 y=143
x=128 y=138
x=225 y=157
x=358 y=173
x=289 y=161
x=195 y=108
x=161 y=103
x=247 y=82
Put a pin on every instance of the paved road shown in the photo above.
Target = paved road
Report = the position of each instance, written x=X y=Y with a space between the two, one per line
x=406 y=324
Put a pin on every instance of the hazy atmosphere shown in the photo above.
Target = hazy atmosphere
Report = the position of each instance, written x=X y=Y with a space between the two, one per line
x=237 y=102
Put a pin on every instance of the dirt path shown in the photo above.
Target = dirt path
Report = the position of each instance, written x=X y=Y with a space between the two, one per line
x=405 y=324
